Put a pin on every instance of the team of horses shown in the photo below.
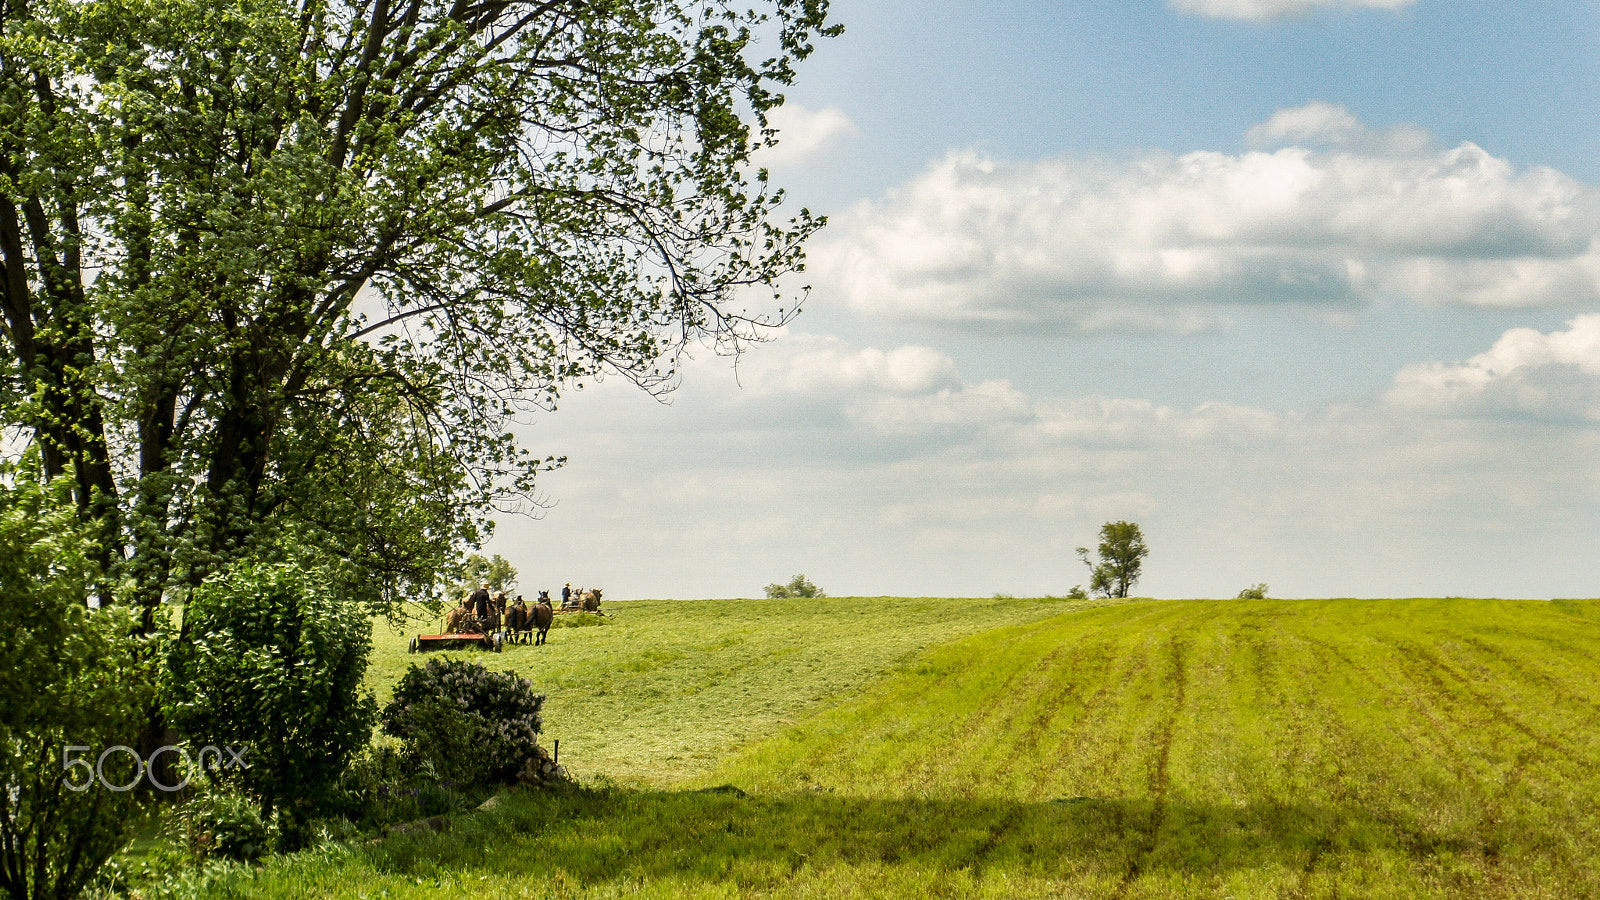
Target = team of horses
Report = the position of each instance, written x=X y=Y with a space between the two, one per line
x=523 y=622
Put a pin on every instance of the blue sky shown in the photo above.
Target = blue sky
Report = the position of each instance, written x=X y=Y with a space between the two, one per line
x=1308 y=289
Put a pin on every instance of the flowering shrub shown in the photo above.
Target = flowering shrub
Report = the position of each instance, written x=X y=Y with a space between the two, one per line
x=464 y=721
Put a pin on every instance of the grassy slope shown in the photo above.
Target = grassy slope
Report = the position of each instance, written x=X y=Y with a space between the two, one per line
x=669 y=687
x=1172 y=749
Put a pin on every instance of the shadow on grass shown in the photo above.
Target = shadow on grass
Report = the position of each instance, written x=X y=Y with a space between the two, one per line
x=598 y=836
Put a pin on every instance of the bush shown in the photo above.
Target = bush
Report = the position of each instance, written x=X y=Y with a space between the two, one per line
x=797 y=587
x=583 y=620
x=224 y=823
x=275 y=667
x=468 y=724
x=383 y=787
x=1077 y=593
x=1254 y=592
x=71 y=677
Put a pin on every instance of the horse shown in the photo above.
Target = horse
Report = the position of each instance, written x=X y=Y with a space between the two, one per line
x=591 y=600
x=543 y=615
x=456 y=619
x=517 y=619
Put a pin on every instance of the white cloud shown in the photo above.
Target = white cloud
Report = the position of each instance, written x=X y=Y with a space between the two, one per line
x=803 y=364
x=1322 y=124
x=1163 y=241
x=891 y=394
x=889 y=470
x=804 y=133
x=1526 y=374
x=1275 y=10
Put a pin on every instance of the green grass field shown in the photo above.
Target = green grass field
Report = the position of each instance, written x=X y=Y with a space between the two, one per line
x=911 y=748
x=667 y=688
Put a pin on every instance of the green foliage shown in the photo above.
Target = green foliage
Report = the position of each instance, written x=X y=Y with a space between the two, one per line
x=1254 y=592
x=1077 y=593
x=1122 y=553
x=384 y=787
x=465 y=722
x=582 y=620
x=500 y=575
x=274 y=668
x=797 y=587
x=339 y=249
x=224 y=823
x=71 y=677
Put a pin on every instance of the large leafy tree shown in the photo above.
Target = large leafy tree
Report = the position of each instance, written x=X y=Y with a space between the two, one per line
x=282 y=273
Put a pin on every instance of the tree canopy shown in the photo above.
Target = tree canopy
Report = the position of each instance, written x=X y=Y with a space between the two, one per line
x=1122 y=551
x=278 y=277
x=478 y=569
x=798 y=587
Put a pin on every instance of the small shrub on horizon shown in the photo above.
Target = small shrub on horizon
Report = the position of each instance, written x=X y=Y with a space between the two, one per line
x=1254 y=592
x=797 y=587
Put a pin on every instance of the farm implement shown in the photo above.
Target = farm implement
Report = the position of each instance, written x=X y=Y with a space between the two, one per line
x=455 y=640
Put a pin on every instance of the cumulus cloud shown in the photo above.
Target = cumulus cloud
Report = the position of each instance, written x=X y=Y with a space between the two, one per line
x=1276 y=10
x=805 y=364
x=804 y=133
x=916 y=398
x=889 y=469
x=1321 y=124
x=1526 y=373
x=1161 y=241
x=894 y=393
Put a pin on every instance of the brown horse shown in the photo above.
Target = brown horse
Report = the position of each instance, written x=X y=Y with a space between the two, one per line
x=543 y=615
x=517 y=620
x=591 y=600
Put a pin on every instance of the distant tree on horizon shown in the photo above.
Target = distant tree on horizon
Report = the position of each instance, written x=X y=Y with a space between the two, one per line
x=797 y=587
x=1122 y=553
x=477 y=569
